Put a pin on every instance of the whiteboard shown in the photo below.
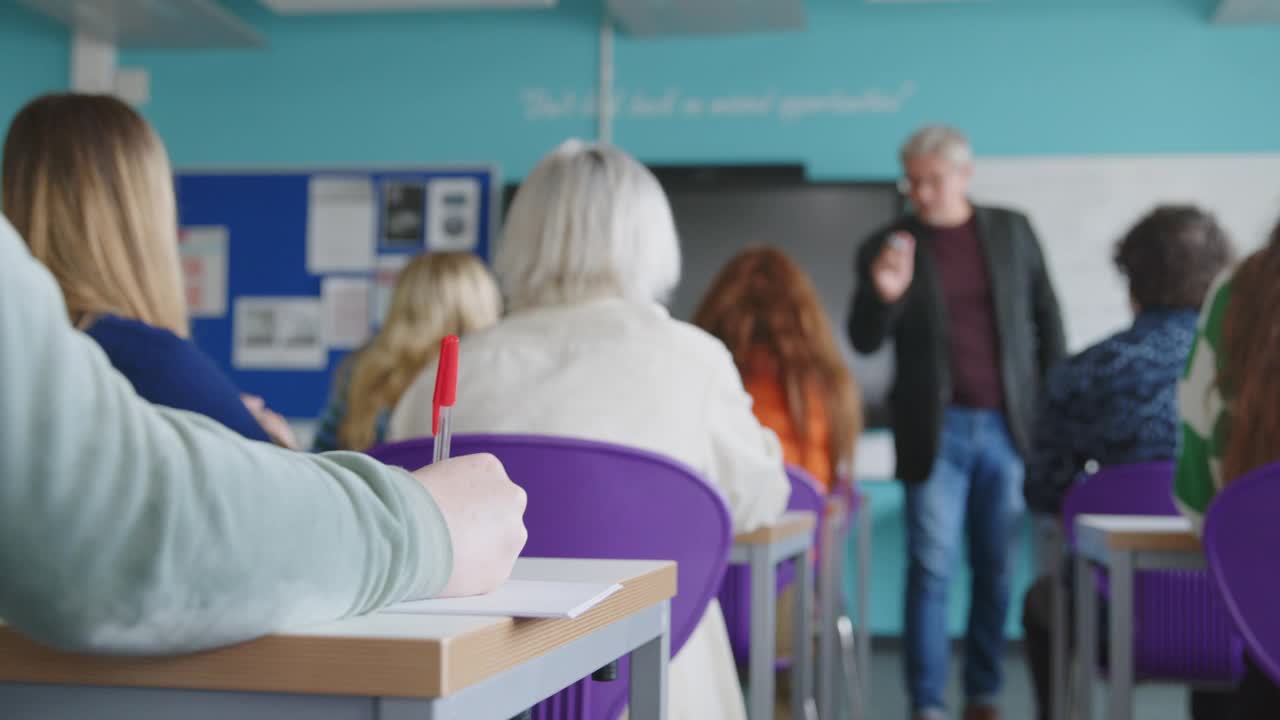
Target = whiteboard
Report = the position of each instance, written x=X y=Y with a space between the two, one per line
x=1081 y=205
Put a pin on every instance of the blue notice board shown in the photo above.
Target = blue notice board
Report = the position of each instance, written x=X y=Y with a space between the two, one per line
x=265 y=214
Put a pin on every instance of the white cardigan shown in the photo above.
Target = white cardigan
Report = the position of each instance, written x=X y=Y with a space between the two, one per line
x=614 y=371
x=625 y=372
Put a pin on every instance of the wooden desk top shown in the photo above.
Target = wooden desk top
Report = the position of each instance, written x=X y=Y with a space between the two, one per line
x=1096 y=535
x=789 y=525
x=385 y=654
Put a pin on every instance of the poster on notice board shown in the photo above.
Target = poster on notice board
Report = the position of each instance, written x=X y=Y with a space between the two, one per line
x=279 y=333
x=202 y=250
x=341 y=219
x=453 y=212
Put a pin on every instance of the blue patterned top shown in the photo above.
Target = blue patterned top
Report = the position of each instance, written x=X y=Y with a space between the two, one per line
x=1115 y=402
x=335 y=411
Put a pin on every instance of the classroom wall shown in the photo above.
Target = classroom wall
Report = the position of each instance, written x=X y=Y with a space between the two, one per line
x=34 y=58
x=1070 y=77
x=1023 y=76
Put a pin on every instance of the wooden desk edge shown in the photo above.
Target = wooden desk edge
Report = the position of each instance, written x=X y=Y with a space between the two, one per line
x=1137 y=541
x=320 y=665
x=789 y=525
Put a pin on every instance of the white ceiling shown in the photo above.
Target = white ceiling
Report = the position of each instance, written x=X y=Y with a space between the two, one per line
x=152 y=23
x=667 y=17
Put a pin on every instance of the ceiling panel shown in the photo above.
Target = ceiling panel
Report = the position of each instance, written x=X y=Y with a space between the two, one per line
x=670 y=17
x=152 y=23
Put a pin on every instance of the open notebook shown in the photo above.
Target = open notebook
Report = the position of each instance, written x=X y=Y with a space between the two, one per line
x=519 y=598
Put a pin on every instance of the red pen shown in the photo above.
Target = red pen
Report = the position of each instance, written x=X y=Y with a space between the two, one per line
x=445 y=395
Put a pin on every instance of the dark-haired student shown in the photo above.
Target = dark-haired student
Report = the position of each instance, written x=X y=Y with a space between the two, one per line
x=1115 y=402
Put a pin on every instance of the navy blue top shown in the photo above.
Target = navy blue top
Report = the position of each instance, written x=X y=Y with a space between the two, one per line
x=168 y=370
x=1116 y=402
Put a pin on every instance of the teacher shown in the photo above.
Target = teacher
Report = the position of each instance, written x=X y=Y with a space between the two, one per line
x=964 y=293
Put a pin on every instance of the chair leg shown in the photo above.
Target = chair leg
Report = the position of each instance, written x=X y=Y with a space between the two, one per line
x=1059 y=655
x=864 y=590
x=853 y=676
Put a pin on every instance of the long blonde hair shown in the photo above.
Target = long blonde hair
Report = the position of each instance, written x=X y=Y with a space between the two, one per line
x=87 y=183
x=437 y=294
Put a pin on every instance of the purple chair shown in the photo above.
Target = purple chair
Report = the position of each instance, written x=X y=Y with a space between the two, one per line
x=1241 y=536
x=735 y=591
x=596 y=500
x=1181 y=630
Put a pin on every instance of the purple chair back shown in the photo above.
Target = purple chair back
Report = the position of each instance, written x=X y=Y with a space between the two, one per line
x=1138 y=489
x=597 y=500
x=1240 y=536
x=735 y=593
x=1182 y=631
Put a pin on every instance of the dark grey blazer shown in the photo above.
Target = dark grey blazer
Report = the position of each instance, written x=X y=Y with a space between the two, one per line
x=1027 y=320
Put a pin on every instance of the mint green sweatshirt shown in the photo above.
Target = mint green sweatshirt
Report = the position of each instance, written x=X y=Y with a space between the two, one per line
x=130 y=528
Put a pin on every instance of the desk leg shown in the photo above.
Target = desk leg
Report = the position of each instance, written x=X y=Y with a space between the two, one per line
x=648 y=699
x=863 y=666
x=1086 y=637
x=828 y=596
x=1120 y=651
x=764 y=648
x=801 y=632
x=1059 y=658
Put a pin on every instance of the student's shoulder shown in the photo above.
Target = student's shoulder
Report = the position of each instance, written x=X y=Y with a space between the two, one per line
x=698 y=346
x=1002 y=213
x=126 y=336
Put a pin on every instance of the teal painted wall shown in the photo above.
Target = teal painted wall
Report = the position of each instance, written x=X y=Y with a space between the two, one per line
x=1022 y=76
x=34 y=58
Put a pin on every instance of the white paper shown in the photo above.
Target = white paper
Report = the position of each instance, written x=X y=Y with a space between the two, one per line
x=340 y=224
x=203 y=249
x=519 y=598
x=279 y=332
x=345 y=301
x=385 y=273
x=453 y=209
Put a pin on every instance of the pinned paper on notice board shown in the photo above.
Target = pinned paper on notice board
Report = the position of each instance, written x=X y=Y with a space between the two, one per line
x=203 y=253
x=404 y=214
x=453 y=214
x=341 y=220
x=345 y=301
x=279 y=332
x=385 y=274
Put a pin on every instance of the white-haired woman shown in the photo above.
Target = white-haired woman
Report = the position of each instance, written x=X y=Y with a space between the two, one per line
x=587 y=256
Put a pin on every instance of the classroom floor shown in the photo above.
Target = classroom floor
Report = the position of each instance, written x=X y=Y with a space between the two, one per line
x=889 y=700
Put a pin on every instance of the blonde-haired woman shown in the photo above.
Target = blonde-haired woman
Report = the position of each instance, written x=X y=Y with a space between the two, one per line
x=87 y=183
x=588 y=253
x=435 y=295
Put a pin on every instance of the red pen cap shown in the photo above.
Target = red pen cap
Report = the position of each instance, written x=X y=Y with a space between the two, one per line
x=446 y=380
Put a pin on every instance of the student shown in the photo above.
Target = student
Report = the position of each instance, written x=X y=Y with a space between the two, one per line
x=127 y=528
x=764 y=308
x=587 y=351
x=1115 y=402
x=435 y=295
x=87 y=183
x=1229 y=400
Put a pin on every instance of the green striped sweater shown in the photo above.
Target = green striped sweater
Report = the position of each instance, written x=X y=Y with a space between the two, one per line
x=1203 y=410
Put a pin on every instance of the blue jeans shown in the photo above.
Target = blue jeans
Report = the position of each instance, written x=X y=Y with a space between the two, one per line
x=976 y=484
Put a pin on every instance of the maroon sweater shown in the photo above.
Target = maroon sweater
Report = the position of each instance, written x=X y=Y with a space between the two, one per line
x=972 y=336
